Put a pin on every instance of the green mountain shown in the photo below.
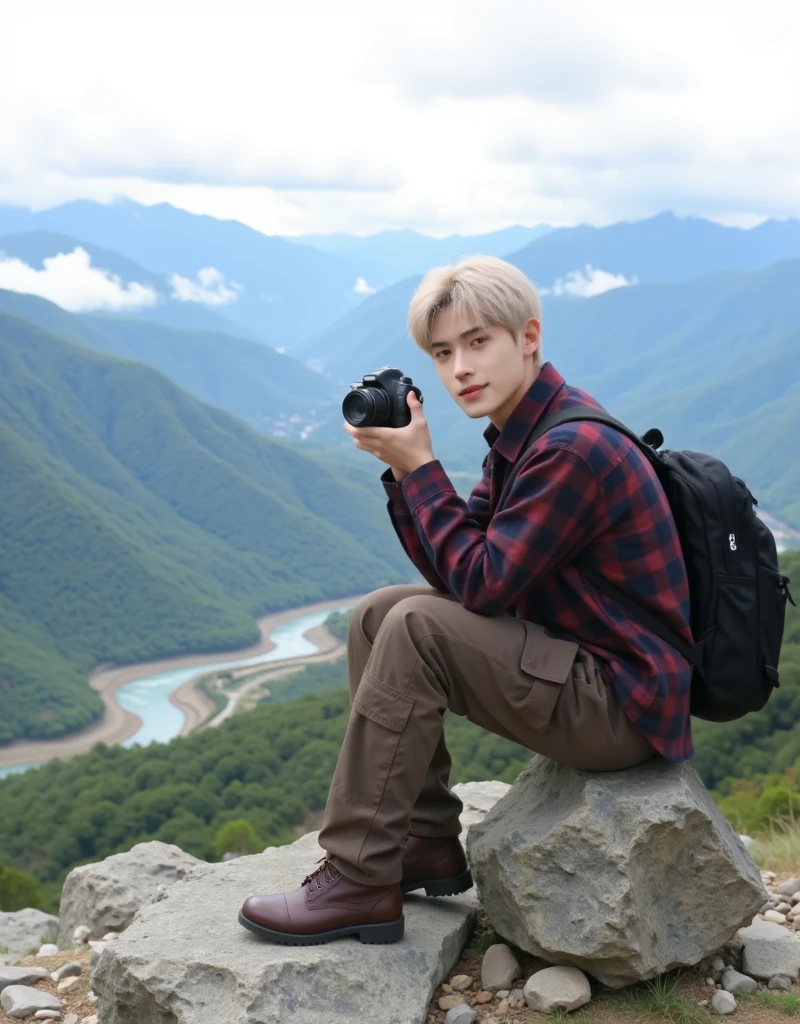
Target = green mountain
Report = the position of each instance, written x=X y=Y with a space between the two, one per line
x=252 y=381
x=137 y=522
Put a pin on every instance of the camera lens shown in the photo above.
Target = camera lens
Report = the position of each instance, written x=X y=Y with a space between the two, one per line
x=366 y=407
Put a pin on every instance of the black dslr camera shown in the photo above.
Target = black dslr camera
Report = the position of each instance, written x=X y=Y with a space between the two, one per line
x=379 y=400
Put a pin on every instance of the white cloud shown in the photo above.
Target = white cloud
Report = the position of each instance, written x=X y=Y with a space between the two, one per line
x=211 y=290
x=362 y=288
x=588 y=282
x=70 y=280
x=454 y=116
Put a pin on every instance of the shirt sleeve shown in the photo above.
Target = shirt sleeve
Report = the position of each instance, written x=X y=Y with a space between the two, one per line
x=406 y=530
x=552 y=511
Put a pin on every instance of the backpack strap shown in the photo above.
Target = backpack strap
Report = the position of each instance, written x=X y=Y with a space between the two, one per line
x=691 y=652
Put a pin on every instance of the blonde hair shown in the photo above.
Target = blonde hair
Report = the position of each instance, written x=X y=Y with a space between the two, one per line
x=496 y=292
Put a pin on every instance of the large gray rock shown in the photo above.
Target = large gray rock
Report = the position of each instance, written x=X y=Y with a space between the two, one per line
x=20 y=976
x=186 y=959
x=106 y=894
x=22 y=930
x=622 y=874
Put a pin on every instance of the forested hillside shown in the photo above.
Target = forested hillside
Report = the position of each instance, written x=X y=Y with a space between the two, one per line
x=272 y=767
x=137 y=522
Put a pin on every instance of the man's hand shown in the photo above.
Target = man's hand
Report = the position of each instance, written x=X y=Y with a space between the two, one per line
x=402 y=448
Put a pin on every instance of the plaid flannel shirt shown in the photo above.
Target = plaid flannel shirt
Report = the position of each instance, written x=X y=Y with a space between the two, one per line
x=580 y=486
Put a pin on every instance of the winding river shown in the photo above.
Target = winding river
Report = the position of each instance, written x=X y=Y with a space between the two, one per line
x=148 y=696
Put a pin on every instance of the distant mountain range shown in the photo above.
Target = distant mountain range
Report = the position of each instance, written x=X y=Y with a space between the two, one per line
x=137 y=522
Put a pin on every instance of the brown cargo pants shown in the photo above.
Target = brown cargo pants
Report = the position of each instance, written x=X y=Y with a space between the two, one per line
x=413 y=652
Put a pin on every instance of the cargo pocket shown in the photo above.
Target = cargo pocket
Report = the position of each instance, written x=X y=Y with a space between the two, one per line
x=378 y=717
x=548 y=662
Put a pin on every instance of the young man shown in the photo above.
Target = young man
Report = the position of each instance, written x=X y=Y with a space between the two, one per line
x=509 y=633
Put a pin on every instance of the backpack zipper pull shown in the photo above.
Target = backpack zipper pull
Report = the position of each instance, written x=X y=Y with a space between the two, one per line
x=785 y=580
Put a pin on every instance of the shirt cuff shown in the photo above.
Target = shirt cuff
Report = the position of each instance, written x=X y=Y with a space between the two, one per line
x=424 y=483
x=394 y=490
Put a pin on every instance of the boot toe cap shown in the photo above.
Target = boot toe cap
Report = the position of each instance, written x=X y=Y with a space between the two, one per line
x=267 y=911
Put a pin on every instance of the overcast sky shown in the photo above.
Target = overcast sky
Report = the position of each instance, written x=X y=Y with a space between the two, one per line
x=465 y=116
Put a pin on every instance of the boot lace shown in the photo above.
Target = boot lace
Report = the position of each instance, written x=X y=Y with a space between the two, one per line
x=325 y=873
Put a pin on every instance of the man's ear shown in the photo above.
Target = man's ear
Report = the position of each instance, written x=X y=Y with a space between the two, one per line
x=531 y=335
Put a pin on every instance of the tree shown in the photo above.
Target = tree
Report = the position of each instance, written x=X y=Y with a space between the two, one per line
x=18 y=890
x=237 y=836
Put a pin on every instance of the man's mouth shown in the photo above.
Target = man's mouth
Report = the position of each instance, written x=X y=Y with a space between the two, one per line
x=472 y=389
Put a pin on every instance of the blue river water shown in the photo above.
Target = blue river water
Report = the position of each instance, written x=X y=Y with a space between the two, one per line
x=148 y=696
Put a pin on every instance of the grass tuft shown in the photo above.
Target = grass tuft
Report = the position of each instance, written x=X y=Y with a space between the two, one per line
x=660 y=1000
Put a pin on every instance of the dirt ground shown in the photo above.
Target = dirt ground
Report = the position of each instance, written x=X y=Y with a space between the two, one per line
x=76 y=999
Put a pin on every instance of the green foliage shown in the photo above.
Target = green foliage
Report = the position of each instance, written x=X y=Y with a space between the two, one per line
x=138 y=523
x=237 y=836
x=18 y=890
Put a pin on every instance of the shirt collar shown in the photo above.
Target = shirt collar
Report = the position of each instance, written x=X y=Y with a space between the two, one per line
x=530 y=409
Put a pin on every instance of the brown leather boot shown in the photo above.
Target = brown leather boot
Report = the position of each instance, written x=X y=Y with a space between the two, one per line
x=437 y=865
x=326 y=906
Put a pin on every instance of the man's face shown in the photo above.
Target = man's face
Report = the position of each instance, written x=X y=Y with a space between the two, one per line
x=466 y=353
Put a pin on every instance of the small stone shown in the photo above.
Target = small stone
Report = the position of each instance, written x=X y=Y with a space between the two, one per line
x=784 y=908
x=718 y=965
x=91 y=996
x=773 y=915
x=47 y=1015
x=484 y=997
x=723 y=1002
x=71 y=1018
x=795 y=897
x=499 y=967
x=461 y=982
x=516 y=998
x=780 y=982
x=788 y=887
x=502 y=1006
x=89 y=1020
x=702 y=1002
x=81 y=933
x=68 y=983
x=449 y=1001
x=461 y=1014
x=110 y=935
x=710 y=982
x=557 y=987
x=48 y=949
x=502 y=994
x=734 y=982
x=67 y=970
x=447 y=989
x=21 y=976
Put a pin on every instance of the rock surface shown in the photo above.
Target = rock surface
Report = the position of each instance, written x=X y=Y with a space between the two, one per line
x=105 y=895
x=478 y=799
x=623 y=874
x=186 y=959
x=557 y=988
x=22 y=930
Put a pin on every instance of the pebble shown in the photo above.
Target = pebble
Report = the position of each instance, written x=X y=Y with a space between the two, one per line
x=81 y=933
x=21 y=976
x=89 y=1020
x=503 y=993
x=71 y=1018
x=781 y=982
x=484 y=997
x=447 y=989
x=502 y=1006
x=48 y=949
x=461 y=982
x=68 y=983
x=516 y=998
x=499 y=967
x=734 y=982
x=773 y=915
x=110 y=935
x=723 y=1002
x=24 y=1001
x=784 y=908
x=67 y=970
x=461 y=1014
x=47 y=1015
x=449 y=1001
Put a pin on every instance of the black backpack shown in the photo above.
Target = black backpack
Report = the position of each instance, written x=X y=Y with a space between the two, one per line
x=737 y=594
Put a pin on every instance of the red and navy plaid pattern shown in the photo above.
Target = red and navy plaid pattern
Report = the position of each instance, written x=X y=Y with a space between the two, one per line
x=580 y=486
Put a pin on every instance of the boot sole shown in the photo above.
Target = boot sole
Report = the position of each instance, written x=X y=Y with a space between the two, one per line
x=441 y=886
x=372 y=934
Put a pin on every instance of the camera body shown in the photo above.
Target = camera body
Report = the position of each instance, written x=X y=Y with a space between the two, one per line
x=379 y=399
